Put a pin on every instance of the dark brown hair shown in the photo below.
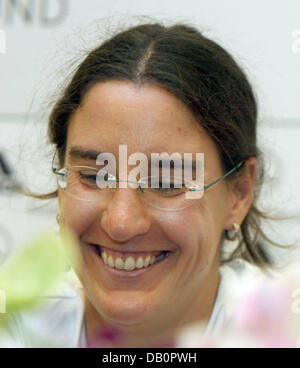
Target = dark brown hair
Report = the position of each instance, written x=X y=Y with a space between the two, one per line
x=200 y=73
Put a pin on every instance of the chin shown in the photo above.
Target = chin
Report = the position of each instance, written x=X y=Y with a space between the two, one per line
x=126 y=308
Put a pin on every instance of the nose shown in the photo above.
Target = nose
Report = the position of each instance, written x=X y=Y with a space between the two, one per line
x=125 y=215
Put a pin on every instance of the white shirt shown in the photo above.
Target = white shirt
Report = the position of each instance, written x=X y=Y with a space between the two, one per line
x=59 y=320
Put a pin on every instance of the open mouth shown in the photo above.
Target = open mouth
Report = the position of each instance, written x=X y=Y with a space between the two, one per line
x=130 y=261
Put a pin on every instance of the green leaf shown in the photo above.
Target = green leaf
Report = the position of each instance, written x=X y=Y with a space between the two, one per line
x=33 y=271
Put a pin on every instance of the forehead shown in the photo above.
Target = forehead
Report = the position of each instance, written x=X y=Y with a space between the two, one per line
x=146 y=118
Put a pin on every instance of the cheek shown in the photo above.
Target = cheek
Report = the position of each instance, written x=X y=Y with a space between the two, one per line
x=187 y=229
x=196 y=232
x=77 y=215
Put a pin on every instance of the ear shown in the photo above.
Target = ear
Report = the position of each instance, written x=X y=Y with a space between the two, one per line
x=241 y=192
x=59 y=202
x=59 y=198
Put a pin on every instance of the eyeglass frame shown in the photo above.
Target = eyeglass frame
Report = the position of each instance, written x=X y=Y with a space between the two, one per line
x=205 y=187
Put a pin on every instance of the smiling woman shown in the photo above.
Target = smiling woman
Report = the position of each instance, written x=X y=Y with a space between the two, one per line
x=150 y=263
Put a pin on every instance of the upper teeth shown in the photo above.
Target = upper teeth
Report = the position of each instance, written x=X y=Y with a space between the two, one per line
x=129 y=263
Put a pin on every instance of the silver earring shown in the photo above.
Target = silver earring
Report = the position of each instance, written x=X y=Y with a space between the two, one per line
x=58 y=219
x=235 y=233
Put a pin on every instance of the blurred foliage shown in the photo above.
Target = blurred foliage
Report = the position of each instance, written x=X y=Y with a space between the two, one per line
x=34 y=270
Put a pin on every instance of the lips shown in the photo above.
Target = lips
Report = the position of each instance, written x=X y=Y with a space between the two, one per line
x=129 y=261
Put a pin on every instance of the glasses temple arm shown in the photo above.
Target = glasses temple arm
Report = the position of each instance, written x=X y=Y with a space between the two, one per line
x=222 y=177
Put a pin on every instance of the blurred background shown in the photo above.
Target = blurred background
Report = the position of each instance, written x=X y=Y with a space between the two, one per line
x=42 y=41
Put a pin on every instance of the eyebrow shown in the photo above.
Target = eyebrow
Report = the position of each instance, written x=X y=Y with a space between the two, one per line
x=90 y=154
x=83 y=154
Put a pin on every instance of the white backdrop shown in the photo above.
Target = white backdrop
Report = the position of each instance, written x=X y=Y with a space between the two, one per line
x=39 y=37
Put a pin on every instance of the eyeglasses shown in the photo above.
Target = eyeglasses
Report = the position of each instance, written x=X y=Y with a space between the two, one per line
x=89 y=184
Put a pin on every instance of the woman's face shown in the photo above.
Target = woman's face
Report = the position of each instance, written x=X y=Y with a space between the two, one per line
x=182 y=286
